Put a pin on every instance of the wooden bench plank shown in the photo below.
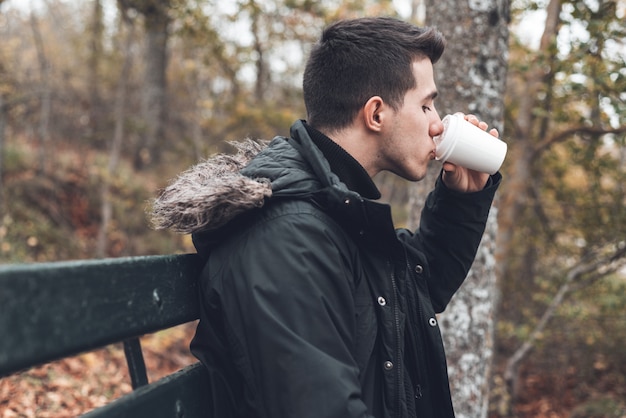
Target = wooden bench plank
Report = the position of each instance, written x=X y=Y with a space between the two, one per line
x=53 y=310
x=182 y=394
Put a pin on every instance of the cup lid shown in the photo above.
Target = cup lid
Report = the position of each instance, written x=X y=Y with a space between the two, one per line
x=445 y=144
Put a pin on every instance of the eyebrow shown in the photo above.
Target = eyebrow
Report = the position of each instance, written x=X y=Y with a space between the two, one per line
x=432 y=96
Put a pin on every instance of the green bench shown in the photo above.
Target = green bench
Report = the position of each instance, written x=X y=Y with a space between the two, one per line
x=49 y=311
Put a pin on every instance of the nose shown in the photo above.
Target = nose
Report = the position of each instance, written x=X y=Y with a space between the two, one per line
x=436 y=126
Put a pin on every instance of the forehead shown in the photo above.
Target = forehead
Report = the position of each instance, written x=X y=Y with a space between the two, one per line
x=424 y=75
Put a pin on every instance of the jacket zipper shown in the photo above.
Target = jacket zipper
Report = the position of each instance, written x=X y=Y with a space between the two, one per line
x=398 y=339
x=420 y=314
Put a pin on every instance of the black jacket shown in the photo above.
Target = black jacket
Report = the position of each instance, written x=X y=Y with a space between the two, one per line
x=315 y=306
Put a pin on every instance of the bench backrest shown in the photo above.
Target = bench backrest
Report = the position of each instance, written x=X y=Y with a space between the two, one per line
x=55 y=310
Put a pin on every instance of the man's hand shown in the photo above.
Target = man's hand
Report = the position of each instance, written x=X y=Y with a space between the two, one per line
x=461 y=179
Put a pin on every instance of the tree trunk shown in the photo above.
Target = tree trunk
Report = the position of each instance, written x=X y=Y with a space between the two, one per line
x=95 y=56
x=525 y=150
x=154 y=100
x=116 y=144
x=417 y=11
x=471 y=78
x=45 y=97
x=262 y=72
x=194 y=85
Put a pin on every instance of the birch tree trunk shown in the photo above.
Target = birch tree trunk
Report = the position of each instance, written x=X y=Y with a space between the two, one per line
x=93 y=64
x=46 y=95
x=471 y=78
x=106 y=209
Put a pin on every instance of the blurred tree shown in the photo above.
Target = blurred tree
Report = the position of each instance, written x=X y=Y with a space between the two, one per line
x=127 y=27
x=154 y=91
x=262 y=66
x=45 y=99
x=471 y=78
x=8 y=99
x=94 y=81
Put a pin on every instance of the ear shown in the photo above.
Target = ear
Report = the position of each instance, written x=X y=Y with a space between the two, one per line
x=374 y=112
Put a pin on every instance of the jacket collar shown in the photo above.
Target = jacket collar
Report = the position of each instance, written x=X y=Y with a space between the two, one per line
x=349 y=170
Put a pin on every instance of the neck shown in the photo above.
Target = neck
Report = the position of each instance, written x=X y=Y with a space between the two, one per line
x=360 y=144
x=344 y=165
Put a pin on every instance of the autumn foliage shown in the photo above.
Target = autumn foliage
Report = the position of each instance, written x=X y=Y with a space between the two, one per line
x=75 y=385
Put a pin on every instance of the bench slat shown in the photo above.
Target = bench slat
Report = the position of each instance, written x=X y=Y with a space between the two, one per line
x=53 y=310
x=182 y=394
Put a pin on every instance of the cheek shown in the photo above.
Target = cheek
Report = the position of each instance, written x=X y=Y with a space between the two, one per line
x=419 y=123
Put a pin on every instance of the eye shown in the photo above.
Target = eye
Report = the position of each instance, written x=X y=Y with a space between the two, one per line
x=426 y=109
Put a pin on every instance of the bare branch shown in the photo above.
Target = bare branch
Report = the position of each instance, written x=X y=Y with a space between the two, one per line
x=615 y=262
x=567 y=133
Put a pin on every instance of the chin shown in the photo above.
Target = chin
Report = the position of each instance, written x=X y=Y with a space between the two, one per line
x=412 y=173
x=413 y=176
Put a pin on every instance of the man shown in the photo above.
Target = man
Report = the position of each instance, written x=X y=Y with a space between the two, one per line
x=313 y=305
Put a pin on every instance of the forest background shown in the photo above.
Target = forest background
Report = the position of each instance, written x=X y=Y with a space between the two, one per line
x=103 y=102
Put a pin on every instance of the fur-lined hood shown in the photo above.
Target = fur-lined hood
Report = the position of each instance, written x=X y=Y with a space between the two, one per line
x=211 y=193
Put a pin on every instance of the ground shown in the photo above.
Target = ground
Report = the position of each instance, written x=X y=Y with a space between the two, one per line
x=73 y=386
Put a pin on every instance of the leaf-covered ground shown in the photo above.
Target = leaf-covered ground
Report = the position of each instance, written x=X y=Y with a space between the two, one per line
x=73 y=386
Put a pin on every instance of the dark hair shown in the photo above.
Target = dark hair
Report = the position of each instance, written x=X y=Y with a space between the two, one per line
x=357 y=59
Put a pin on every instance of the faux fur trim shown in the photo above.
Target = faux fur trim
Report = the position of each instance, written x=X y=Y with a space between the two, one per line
x=211 y=193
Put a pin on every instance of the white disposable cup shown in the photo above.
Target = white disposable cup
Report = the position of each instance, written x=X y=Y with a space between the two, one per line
x=466 y=145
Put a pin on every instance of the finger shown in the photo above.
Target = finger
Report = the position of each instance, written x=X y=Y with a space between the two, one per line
x=494 y=132
x=472 y=119
x=449 y=167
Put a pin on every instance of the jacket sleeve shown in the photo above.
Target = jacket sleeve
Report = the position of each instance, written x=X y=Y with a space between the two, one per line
x=286 y=289
x=451 y=228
